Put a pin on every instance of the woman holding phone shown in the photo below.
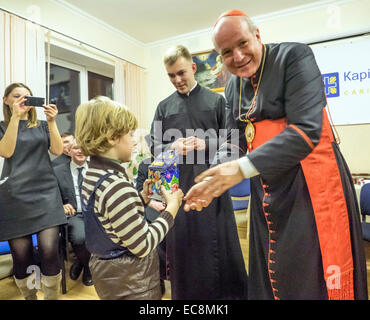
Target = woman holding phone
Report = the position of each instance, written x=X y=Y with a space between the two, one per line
x=30 y=202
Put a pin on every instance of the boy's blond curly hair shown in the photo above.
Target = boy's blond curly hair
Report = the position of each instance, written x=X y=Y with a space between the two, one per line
x=100 y=120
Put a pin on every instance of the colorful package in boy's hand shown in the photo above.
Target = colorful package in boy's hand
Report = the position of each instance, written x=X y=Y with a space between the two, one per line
x=164 y=171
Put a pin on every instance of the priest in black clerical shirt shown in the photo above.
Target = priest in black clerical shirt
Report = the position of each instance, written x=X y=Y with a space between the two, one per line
x=204 y=258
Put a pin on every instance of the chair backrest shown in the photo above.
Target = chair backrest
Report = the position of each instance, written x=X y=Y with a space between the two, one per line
x=240 y=195
x=5 y=249
x=242 y=189
x=365 y=200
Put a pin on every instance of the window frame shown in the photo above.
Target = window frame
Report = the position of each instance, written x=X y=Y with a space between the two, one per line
x=84 y=79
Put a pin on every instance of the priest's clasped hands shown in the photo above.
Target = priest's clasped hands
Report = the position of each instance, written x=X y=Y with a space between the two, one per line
x=185 y=145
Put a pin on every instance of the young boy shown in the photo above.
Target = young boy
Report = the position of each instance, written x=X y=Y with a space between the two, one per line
x=124 y=263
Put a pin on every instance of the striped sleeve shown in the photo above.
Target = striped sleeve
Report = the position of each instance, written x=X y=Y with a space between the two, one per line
x=124 y=209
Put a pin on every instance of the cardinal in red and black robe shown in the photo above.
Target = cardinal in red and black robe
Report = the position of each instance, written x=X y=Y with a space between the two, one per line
x=305 y=240
x=305 y=232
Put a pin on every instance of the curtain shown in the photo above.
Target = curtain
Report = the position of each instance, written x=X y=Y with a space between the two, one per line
x=130 y=90
x=119 y=81
x=22 y=57
x=135 y=91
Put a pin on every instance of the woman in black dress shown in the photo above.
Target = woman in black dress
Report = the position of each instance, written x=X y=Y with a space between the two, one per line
x=30 y=201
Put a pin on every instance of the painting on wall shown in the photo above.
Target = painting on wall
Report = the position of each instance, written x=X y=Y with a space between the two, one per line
x=211 y=72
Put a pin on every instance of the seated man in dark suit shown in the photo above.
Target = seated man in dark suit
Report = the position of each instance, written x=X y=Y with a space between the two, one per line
x=67 y=139
x=70 y=176
x=152 y=211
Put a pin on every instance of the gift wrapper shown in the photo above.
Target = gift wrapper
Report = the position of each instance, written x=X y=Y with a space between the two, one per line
x=164 y=171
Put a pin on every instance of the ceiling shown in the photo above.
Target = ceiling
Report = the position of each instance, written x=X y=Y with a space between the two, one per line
x=154 y=20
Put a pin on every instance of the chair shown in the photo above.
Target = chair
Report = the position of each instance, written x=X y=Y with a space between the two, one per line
x=365 y=210
x=240 y=197
x=5 y=249
x=63 y=253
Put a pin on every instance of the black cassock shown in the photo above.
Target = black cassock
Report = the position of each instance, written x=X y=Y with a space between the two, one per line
x=305 y=224
x=204 y=257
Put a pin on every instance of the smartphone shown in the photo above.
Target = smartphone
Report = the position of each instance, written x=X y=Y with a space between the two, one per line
x=34 y=101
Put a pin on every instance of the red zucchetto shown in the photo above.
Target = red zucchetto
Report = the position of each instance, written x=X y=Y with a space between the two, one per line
x=229 y=14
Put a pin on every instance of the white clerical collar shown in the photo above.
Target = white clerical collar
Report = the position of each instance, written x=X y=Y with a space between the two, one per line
x=192 y=88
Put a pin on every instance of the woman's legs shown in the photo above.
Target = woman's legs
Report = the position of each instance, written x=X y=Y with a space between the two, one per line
x=22 y=253
x=48 y=243
x=48 y=240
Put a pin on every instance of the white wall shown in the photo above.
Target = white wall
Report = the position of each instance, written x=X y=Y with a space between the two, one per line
x=82 y=27
x=304 y=24
x=53 y=15
x=159 y=86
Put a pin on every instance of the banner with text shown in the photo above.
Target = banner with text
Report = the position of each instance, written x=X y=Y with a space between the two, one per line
x=345 y=67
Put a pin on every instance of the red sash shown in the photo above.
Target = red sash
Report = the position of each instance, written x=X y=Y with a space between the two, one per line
x=326 y=191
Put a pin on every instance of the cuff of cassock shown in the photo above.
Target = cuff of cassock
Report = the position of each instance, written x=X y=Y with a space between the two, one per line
x=247 y=167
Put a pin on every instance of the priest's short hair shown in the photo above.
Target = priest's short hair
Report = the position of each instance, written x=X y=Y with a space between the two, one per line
x=176 y=52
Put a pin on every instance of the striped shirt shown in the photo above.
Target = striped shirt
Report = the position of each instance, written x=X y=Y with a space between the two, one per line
x=120 y=208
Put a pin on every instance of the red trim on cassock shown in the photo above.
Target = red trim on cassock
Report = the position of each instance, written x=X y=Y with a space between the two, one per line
x=271 y=242
x=304 y=136
x=326 y=191
x=267 y=129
